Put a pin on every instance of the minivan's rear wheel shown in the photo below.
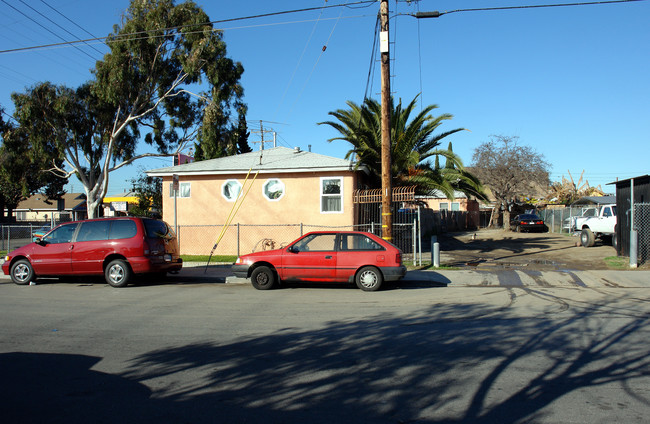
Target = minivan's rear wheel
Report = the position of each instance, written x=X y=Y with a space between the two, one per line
x=118 y=273
x=369 y=278
x=263 y=278
x=22 y=272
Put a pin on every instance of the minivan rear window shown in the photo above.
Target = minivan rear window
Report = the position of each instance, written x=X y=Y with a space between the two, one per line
x=123 y=228
x=157 y=229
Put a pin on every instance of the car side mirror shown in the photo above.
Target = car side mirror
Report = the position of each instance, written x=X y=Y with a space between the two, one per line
x=293 y=249
x=39 y=240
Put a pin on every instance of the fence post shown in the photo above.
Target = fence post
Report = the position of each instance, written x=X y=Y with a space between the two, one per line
x=413 y=235
x=419 y=237
x=238 y=239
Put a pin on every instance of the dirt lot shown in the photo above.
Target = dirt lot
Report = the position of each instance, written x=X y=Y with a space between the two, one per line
x=534 y=251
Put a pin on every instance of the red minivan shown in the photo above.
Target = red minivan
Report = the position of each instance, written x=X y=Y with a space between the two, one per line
x=114 y=247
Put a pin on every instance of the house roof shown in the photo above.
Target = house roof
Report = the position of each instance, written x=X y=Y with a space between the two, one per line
x=276 y=159
x=627 y=181
x=437 y=194
x=39 y=202
x=594 y=200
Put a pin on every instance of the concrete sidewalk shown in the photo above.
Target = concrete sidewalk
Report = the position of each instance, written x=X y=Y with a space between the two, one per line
x=504 y=278
x=527 y=278
x=222 y=273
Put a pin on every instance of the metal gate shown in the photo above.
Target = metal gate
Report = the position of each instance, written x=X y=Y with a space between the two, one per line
x=405 y=212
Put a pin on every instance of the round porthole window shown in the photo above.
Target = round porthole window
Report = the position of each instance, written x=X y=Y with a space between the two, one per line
x=231 y=190
x=273 y=189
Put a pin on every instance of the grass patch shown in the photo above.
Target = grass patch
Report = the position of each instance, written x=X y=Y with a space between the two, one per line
x=617 y=262
x=214 y=259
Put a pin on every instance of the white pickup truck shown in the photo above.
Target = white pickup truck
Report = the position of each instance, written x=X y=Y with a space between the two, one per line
x=599 y=226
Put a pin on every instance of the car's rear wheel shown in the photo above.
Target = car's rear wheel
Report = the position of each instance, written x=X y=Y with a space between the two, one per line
x=369 y=278
x=117 y=273
x=22 y=272
x=263 y=278
x=587 y=238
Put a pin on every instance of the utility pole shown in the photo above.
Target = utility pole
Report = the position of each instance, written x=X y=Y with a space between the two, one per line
x=386 y=186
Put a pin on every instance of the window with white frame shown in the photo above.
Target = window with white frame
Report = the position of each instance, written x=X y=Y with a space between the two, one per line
x=184 y=190
x=231 y=190
x=273 y=189
x=331 y=194
x=455 y=206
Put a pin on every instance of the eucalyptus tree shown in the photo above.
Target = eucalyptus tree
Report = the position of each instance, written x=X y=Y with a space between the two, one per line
x=166 y=81
x=414 y=143
x=21 y=169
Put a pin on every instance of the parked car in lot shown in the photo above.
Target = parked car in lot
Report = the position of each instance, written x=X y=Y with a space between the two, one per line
x=325 y=256
x=41 y=232
x=527 y=222
x=114 y=247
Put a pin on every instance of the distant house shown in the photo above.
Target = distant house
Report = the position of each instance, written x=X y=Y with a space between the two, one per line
x=438 y=202
x=277 y=187
x=37 y=208
x=594 y=201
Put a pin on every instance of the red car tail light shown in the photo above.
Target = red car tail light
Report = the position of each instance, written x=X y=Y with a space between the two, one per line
x=398 y=258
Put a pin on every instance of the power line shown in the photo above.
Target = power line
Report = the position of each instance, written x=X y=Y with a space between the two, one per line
x=73 y=23
x=120 y=37
x=437 y=14
x=42 y=26
x=299 y=61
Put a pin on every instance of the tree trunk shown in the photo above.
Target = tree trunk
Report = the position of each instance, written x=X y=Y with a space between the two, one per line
x=506 y=220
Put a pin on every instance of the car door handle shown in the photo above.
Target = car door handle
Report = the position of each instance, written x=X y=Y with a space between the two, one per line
x=328 y=257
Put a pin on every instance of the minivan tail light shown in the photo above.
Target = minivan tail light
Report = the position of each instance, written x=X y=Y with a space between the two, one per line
x=398 y=258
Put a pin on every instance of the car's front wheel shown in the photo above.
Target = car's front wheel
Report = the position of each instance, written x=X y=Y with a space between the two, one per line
x=117 y=273
x=369 y=278
x=263 y=278
x=587 y=238
x=22 y=272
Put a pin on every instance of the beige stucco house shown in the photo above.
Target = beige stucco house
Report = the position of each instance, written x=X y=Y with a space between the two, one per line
x=37 y=208
x=265 y=196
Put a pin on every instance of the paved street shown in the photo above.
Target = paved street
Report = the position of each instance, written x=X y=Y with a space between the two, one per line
x=443 y=346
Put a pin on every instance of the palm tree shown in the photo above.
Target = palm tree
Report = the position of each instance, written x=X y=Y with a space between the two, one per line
x=413 y=145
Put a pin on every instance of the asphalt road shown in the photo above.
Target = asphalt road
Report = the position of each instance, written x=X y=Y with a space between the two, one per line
x=428 y=350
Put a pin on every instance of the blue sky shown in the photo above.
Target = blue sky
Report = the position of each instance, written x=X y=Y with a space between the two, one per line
x=573 y=83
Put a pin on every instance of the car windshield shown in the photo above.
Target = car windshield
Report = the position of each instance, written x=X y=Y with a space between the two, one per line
x=528 y=217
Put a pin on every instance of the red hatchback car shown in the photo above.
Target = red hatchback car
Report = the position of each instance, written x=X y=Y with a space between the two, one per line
x=114 y=247
x=325 y=256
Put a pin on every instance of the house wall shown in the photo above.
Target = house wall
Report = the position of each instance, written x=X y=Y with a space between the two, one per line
x=201 y=216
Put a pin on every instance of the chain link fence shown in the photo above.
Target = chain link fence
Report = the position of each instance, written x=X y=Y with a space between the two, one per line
x=642 y=227
x=15 y=236
x=239 y=239
x=563 y=220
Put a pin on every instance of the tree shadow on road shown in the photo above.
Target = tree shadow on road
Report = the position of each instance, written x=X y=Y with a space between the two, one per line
x=447 y=364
